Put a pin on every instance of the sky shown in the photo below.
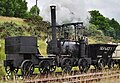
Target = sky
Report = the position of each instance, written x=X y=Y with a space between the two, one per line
x=109 y=8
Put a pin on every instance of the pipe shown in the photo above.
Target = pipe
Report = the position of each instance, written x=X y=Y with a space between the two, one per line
x=53 y=24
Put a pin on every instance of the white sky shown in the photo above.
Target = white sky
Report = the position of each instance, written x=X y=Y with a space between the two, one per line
x=109 y=8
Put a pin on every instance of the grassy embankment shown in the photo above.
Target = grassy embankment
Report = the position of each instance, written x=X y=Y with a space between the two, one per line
x=20 y=22
x=41 y=43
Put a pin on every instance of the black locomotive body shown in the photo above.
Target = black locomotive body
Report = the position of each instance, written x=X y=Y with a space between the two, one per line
x=22 y=53
x=101 y=55
x=67 y=48
x=76 y=51
x=71 y=49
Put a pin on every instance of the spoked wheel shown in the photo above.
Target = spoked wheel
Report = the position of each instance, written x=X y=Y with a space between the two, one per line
x=52 y=68
x=83 y=65
x=15 y=71
x=10 y=71
x=101 y=64
x=44 y=67
x=27 y=68
x=66 y=65
x=111 y=64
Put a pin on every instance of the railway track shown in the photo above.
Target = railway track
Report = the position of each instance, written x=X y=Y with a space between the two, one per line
x=76 y=78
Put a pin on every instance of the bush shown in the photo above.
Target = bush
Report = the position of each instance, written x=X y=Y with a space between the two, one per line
x=93 y=31
x=10 y=29
x=37 y=27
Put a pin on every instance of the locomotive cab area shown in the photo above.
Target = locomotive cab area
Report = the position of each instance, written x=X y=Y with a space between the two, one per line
x=68 y=39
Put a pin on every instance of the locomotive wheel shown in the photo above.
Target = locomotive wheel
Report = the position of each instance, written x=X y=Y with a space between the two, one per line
x=111 y=64
x=66 y=65
x=101 y=64
x=83 y=65
x=52 y=68
x=44 y=67
x=27 y=68
x=15 y=71
x=10 y=71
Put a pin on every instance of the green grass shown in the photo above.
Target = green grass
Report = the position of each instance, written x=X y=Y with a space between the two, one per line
x=2 y=57
x=2 y=52
x=91 y=40
x=18 y=21
x=42 y=47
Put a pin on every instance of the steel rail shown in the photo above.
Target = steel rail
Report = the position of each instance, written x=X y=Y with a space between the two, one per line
x=77 y=78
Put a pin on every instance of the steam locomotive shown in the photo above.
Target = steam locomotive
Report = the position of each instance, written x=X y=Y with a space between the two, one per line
x=67 y=48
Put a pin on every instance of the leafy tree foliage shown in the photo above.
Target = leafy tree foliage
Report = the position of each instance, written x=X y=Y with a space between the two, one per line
x=107 y=26
x=13 y=8
x=116 y=26
x=93 y=31
x=34 y=10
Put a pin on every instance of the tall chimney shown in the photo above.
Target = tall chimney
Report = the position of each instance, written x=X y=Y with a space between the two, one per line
x=53 y=24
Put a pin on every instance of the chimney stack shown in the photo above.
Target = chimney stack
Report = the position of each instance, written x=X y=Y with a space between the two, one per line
x=53 y=24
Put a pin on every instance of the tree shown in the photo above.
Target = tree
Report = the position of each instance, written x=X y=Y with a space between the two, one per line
x=13 y=8
x=20 y=8
x=102 y=22
x=116 y=26
x=2 y=9
x=34 y=10
x=92 y=30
